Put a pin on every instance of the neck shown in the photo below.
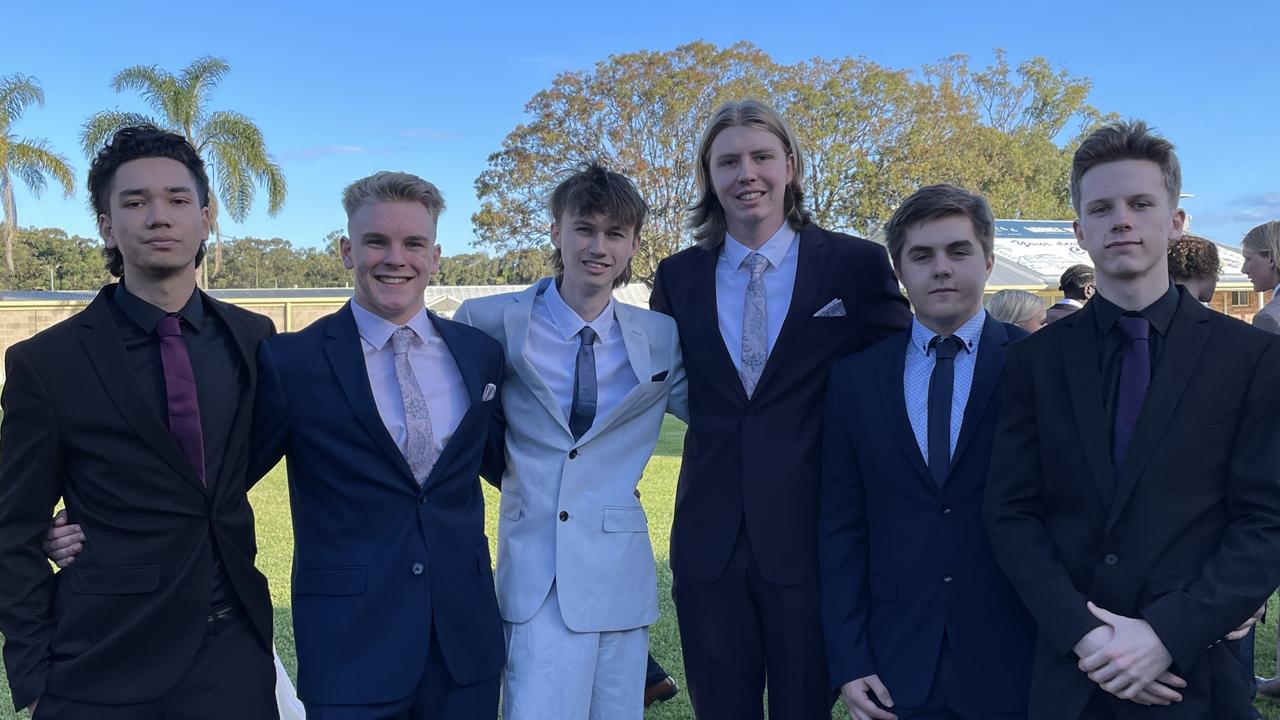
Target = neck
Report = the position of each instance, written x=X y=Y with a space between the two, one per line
x=755 y=235
x=587 y=301
x=1134 y=294
x=946 y=326
x=168 y=292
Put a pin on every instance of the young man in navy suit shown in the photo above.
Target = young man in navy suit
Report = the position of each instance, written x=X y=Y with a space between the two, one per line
x=765 y=303
x=918 y=617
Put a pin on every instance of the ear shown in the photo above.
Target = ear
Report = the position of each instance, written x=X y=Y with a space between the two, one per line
x=1179 y=222
x=1075 y=228
x=206 y=220
x=555 y=235
x=991 y=263
x=104 y=230
x=344 y=247
x=791 y=167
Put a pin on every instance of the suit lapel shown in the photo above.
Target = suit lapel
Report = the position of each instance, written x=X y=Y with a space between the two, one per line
x=102 y=343
x=1188 y=335
x=1080 y=362
x=515 y=321
x=246 y=340
x=459 y=346
x=986 y=376
x=810 y=266
x=637 y=344
x=706 y=323
x=345 y=353
x=893 y=361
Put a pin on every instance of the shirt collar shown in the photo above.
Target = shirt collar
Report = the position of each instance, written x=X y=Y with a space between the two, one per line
x=1159 y=313
x=774 y=249
x=1071 y=301
x=377 y=330
x=567 y=320
x=969 y=333
x=148 y=316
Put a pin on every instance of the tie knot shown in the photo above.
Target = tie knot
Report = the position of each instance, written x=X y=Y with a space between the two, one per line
x=168 y=327
x=755 y=263
x=1134 y=327
x=401 y=338
x=945 y=348
x=587 y=336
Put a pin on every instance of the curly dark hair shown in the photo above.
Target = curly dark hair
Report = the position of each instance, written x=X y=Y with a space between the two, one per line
x=1192 y=256
x=133 y=143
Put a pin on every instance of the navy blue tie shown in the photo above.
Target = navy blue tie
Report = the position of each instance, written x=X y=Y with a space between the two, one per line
x=941 y=389
x=1135 y=378
x=583 y=412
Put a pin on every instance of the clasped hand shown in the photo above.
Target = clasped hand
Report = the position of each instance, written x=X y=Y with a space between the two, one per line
x=1126 y=658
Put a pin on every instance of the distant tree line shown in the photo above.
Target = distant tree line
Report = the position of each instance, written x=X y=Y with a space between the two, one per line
x=52 y=259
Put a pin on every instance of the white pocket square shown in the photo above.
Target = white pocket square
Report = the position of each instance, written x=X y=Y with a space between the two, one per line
x=490 y=391
x=835 y=308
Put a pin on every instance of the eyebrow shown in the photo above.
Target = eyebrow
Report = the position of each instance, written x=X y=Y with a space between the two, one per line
x=373 y=235
x=146 y=191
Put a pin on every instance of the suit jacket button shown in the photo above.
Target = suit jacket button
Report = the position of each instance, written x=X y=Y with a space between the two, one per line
x=946 y=509
x=946 y=578
x=564 y=516
x=417 y=568
x=1111 y=560
x=422 y=500
x=573 y=453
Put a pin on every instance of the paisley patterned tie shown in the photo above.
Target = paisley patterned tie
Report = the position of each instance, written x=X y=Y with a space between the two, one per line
x=755 y=324
x=420 y=446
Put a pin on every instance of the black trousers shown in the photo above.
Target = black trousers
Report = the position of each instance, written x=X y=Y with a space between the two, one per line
x=232 y=676
x=740 y=631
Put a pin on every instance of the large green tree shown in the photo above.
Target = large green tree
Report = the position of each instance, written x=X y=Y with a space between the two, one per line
x=871 y=136
x=232 y=146
x=28 y=160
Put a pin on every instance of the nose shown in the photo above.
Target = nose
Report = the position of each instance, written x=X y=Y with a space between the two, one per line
x=941 y=267
x=158 y=215
x=394 y=254
x=595 y=245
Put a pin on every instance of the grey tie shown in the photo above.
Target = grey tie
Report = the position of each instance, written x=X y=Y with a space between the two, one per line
x=755 y=324
x=583 y=412
x=420 y=444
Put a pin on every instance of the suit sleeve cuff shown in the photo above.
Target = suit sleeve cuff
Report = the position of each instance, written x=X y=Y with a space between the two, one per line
x=1179 y=637
x=1068 y=630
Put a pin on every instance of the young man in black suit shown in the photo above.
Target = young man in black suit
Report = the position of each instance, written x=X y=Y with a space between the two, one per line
x=765 y=303
x=136 y=413
x=1142 y=525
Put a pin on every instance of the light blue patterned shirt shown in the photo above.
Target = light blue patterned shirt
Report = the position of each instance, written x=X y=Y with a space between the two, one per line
x=919 y=369
x=782 y=250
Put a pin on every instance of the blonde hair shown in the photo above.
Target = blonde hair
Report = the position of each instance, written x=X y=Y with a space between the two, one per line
x=706 y=216
x=392 y=187
x=1264 y=239
x=1014 y=306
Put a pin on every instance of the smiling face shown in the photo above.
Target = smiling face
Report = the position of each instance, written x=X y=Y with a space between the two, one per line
x=595 y=250
x=749 y=172
x=944 y=270
x=1127 y=220
x=155 y=218
x=392 y=249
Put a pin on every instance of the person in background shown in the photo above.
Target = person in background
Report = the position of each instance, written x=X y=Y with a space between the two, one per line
x=1261 y=253
x=1194 y=264
x=1018 y=307
x=1077 y=287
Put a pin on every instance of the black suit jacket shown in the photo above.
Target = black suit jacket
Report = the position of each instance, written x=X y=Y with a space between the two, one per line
x=760 y=457
x=124 y=622
x=904 y=561
x=1186 y=535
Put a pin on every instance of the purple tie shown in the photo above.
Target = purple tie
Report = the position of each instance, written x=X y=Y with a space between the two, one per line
x=1135 y=377
x=180 y=387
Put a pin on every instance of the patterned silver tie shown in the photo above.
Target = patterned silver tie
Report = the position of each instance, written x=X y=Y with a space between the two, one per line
x=755 y=324
x=420 y=444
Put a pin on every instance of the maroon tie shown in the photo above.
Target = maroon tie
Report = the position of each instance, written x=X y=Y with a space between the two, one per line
x=180 y=387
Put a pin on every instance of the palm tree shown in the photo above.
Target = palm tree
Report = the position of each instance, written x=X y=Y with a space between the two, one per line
x=28 y=160
x=232 y=146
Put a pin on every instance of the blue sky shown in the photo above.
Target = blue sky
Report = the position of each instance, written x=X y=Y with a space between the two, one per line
x=344 y=89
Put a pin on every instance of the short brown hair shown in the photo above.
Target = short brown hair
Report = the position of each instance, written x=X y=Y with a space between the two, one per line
x=392 y=187
x=1127 y=140
x=1192 y=257
x=596 y=190
x=706 y=216
x=1075 y=279
x=935 y=202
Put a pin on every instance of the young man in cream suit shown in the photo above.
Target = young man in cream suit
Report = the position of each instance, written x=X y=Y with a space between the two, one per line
x=587 y=384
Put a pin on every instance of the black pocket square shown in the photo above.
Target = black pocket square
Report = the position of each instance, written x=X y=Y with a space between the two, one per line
x=659 y=377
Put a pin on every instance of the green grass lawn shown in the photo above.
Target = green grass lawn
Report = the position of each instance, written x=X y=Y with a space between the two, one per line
x=275 y=543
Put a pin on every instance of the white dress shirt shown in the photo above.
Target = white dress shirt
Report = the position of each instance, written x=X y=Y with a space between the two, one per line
x=782 y=251
x=552 y=350
x=918 y=371
x=432 y=363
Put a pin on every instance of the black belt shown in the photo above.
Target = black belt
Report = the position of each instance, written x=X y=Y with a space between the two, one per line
x=224 y=613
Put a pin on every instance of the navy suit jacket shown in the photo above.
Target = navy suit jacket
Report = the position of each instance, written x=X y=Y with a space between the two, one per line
x=904 y=561
x=759 y=457
x=379 y=563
